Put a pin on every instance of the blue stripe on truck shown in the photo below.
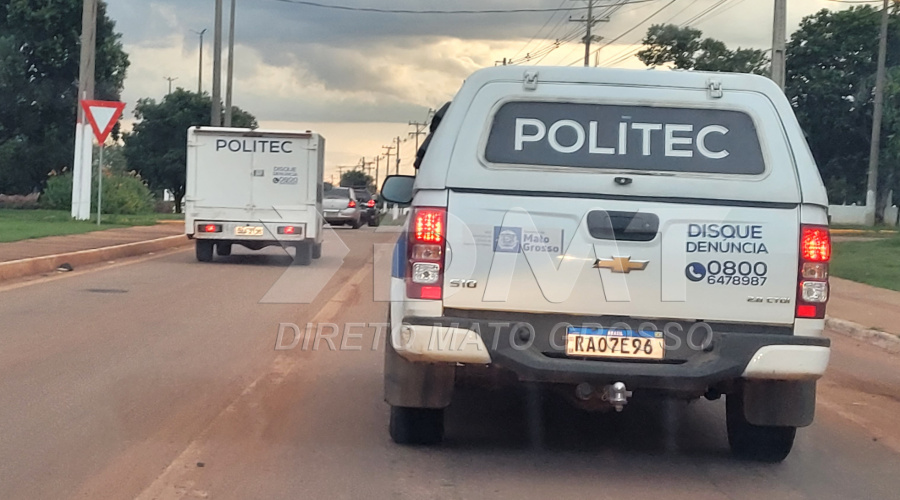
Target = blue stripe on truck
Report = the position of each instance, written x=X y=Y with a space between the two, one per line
x=398 y=265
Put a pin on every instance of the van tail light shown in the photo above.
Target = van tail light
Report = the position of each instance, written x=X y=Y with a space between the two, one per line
x=370 y=203
x=812 y=276
x=351 y=204
x=426 y=249
x=210 y=228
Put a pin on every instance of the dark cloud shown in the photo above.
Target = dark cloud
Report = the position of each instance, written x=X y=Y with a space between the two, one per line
x=338 y=65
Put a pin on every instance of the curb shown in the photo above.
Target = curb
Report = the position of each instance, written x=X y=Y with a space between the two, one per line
x=863 y=232
x=886 y=341
x=49 y=263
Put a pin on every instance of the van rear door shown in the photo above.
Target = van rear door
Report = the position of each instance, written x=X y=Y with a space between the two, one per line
x=623 y=201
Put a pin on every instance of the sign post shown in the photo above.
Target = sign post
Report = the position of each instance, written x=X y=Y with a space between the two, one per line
x=102 y=115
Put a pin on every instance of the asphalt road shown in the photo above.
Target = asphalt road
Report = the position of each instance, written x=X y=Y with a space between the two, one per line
x=159 y=378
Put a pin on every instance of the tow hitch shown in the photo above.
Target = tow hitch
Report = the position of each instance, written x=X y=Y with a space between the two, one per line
x=617 y=395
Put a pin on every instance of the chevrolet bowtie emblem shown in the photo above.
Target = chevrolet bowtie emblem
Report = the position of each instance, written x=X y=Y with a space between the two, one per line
x=621 y=264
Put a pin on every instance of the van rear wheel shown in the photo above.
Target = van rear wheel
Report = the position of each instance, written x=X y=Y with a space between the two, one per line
x=317 y=251
x=204 y=251
x=422 y=426
x=771 y=444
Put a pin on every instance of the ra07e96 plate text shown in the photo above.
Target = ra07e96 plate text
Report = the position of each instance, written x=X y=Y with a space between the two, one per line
x=248 y=231
x=614 y=343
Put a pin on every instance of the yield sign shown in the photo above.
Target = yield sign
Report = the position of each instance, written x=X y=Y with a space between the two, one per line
x=102 y=115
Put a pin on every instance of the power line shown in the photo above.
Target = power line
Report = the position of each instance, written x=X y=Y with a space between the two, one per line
x=704 y=12
x=440 y=12
x=535 y=36
x=636 y=26
x=622 y=56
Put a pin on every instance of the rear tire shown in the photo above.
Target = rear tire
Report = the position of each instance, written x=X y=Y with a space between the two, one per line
x=760 y=443
x=417 y=426
x=304 y=254
x=223 y=249
x=375 y=221
x=204 y=251
x=356 y=224
x=317 y=251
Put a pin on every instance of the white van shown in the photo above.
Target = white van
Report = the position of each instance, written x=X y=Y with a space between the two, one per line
x=614 y=234
x=254 y=188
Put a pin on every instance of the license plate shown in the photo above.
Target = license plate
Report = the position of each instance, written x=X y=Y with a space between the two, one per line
x=248 y=231
x=614 y=343
x=331 y=212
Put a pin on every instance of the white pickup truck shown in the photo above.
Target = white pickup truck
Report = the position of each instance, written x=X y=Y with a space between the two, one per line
x=254 y=188
x=613 y=235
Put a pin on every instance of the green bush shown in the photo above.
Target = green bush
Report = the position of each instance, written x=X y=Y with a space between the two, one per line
x=58 y=193
x=124 y=194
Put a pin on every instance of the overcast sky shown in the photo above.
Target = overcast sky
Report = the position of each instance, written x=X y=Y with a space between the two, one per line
x=360 y=77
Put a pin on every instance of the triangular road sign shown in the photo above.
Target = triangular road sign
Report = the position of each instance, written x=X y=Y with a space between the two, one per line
x=102 y=115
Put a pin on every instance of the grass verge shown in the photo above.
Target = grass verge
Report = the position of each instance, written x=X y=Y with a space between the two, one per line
x=16 y=225
x=875 y=263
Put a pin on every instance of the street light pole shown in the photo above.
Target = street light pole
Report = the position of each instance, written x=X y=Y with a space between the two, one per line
x=200 y=73
x=82 y=165
x=779 y=42
x=877 y=115
x=230 y=79
x=216 y=112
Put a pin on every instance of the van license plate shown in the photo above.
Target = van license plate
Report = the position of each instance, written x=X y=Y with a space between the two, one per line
x=248 y=231
x=614 y=343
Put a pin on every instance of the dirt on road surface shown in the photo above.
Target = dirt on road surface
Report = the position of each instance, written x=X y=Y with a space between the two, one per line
x=160 y=380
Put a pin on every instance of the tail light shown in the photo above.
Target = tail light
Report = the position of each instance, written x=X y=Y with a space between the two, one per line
x=210 y=228
x=370 y=203
x=351 y=204
x=812 y=279
x=287 y=230
x=425 y=253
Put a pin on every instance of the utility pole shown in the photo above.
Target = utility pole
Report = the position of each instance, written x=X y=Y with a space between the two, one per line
x=397 y=171
x=82 y=165
x=216 y=113
x=420 y=130
x=779 y=41
x=200 y=73
x=880 y=81
x=589 y=21
x=389 y=150
x=377 y=170
x=367 y=165
x=170 y=80
x=230 y=80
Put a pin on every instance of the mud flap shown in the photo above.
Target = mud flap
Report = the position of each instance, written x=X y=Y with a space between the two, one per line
x=416 y=385
x=783 y=403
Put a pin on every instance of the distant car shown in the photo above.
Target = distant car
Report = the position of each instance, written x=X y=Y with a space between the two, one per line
x=342 y=208
x=369 y=201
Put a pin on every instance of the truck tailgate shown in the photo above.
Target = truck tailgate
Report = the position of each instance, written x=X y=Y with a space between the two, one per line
x=643 y=259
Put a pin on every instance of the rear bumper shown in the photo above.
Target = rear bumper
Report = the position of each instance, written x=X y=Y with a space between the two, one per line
x=343 y=216
x=269 y=234
x=537 y=354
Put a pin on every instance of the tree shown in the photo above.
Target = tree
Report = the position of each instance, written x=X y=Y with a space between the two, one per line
x=831 y=67
x=39 y=65
x=357 y=178
x=157 y=146
x=684 y=48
